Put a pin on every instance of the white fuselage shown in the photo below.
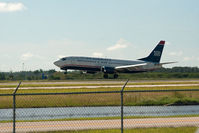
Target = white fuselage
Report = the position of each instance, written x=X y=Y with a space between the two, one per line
x=96 y=64
x=114 y=66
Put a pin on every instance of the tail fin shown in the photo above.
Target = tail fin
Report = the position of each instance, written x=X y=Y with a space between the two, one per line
x=156 y=54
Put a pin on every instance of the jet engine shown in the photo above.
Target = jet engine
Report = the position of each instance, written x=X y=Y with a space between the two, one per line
x=109 y=70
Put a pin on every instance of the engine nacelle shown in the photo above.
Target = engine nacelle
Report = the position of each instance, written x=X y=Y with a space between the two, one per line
x=109 y=70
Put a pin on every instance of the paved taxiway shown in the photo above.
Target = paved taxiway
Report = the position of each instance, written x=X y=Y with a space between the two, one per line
x=97 y=82
x=104 y=86
x=99 y=124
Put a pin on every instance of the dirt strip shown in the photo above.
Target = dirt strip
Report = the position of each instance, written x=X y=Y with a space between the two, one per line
x=99 y=124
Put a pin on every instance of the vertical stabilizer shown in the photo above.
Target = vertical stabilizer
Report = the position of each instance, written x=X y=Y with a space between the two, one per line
x=156 y=54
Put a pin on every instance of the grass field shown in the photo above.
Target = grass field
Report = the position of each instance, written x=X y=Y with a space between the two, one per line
x=138 y=130
x=108 y=99
x=94 y=84
x=60 y=90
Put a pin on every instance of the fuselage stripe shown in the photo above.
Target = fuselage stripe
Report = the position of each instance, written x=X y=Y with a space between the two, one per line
x=77 y=65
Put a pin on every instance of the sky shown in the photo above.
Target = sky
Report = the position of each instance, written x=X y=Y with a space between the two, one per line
x=35 y=33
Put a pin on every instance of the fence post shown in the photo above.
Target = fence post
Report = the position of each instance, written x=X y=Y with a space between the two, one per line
x=14 y=106
x=122 y=107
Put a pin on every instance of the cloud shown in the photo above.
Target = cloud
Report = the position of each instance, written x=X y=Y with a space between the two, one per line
x=60 y=56
x=179 y=53
x=97 y=54
x=11 y=7
x=189 y=58
x=26 y=56
x=120 y=44
x=167 y=43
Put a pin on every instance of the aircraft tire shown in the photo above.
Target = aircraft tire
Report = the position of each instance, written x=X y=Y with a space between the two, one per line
x=115 y=76
x=105 y=76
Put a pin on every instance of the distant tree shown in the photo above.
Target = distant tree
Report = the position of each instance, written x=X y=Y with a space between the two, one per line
x=11 y=75
x=29 y=78
x=2 y=76
x=40 y=70
x=36 y=72
x=51 y=71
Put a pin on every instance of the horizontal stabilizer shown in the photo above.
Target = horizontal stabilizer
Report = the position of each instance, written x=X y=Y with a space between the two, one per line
x=167 y=63
x=136 y=67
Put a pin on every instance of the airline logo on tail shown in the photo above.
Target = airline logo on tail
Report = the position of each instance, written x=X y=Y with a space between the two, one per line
x=156 y=53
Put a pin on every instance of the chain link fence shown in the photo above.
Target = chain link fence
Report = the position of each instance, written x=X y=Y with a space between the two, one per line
x=116 y=111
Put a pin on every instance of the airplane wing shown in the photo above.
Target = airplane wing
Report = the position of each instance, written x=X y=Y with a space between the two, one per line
x=136 y=67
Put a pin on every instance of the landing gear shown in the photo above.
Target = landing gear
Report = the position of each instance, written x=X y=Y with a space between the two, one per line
x=105 y=75
x=65 y=72
x=115 y=76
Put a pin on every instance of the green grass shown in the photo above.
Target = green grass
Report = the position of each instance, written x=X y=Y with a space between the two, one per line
x=111 y=99
x=130 y=99
x=9 y=91
x=138 y=130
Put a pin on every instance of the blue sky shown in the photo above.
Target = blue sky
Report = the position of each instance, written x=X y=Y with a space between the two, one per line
x=38 y=32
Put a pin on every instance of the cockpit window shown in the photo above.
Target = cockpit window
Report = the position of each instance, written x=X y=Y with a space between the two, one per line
x=63 y=59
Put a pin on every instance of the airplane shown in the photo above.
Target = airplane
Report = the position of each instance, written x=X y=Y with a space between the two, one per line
x=114 y=66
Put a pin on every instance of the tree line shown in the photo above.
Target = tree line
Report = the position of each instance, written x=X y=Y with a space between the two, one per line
x=163 y=73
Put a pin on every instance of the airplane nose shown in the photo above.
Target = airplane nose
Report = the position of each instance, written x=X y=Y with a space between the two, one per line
x=56 y=63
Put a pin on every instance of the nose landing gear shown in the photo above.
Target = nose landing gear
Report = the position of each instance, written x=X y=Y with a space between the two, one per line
x=65 y=72
x=105 y=75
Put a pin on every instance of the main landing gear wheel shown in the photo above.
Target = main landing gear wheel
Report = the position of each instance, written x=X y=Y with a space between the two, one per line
x=115 y=76
x=105 y=76
x=65 y=72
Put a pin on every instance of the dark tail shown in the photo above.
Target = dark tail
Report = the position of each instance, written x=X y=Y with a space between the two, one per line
x=156 y=54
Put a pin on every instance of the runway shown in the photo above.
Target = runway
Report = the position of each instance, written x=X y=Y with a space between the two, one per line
x=99 y=124
x=96 y=82
x=105 y=86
